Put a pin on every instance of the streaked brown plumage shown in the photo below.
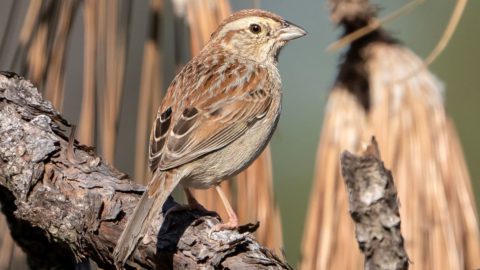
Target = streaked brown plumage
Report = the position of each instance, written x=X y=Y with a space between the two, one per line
x=217 y=116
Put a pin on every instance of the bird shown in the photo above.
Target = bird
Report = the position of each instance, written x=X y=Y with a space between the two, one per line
x=217 y=116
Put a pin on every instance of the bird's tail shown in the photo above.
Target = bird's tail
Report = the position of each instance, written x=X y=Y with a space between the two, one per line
x=149 y=206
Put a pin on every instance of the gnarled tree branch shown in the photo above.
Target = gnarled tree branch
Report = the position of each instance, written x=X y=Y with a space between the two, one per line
x=64 y=204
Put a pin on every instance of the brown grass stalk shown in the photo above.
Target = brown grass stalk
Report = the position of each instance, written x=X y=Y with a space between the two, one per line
x=256 y=200
x=55 y=71
x=30 y=24
x=150 y=71
x=86 y=128
x=36 y=55
x=33 y=11
x=150 y=90
x=108 y=12
x=111 y=52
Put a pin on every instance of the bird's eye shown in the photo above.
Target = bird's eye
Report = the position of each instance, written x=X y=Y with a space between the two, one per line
x=255 y=28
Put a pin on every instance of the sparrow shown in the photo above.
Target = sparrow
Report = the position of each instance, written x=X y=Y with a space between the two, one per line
x=218 y=115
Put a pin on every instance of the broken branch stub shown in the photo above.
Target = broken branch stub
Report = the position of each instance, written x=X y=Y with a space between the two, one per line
x=374 y=209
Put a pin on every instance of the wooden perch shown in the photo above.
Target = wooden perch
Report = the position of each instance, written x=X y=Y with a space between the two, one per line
x=374 y=210
x=64 y=204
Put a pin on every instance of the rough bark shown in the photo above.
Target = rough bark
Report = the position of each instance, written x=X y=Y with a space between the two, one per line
x=374 y=209
x=64 y=204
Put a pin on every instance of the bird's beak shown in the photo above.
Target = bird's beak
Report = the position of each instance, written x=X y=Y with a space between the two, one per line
x=291 y=31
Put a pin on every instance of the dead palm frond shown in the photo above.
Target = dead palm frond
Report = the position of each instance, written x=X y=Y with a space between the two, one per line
x=376 y=94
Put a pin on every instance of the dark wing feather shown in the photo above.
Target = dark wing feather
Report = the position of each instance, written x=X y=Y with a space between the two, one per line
x=212 y=119
x=158 y=137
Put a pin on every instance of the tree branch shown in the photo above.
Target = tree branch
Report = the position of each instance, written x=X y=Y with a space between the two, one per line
x=65 y=204
x=374 y=209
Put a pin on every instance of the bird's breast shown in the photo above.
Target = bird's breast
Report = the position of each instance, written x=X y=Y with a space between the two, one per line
x=215 y=167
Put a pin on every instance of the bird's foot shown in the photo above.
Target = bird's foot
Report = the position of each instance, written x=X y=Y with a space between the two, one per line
x=232 y=224
x=225 y=226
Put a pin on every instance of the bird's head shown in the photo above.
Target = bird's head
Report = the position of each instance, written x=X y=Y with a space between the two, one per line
x=255 y=34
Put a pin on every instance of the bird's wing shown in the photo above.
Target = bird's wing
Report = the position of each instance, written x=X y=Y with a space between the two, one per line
x=210 y=116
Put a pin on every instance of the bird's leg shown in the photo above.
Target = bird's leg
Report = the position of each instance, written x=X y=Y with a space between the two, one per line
x=232 y=217
x=192 y=204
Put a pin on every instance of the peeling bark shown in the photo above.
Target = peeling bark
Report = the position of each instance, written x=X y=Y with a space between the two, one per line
x=64 y=204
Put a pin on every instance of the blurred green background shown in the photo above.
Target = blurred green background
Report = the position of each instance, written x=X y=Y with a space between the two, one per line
x=308 y=72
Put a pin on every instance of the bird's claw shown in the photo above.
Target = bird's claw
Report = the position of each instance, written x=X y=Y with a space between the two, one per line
x=230 y=225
